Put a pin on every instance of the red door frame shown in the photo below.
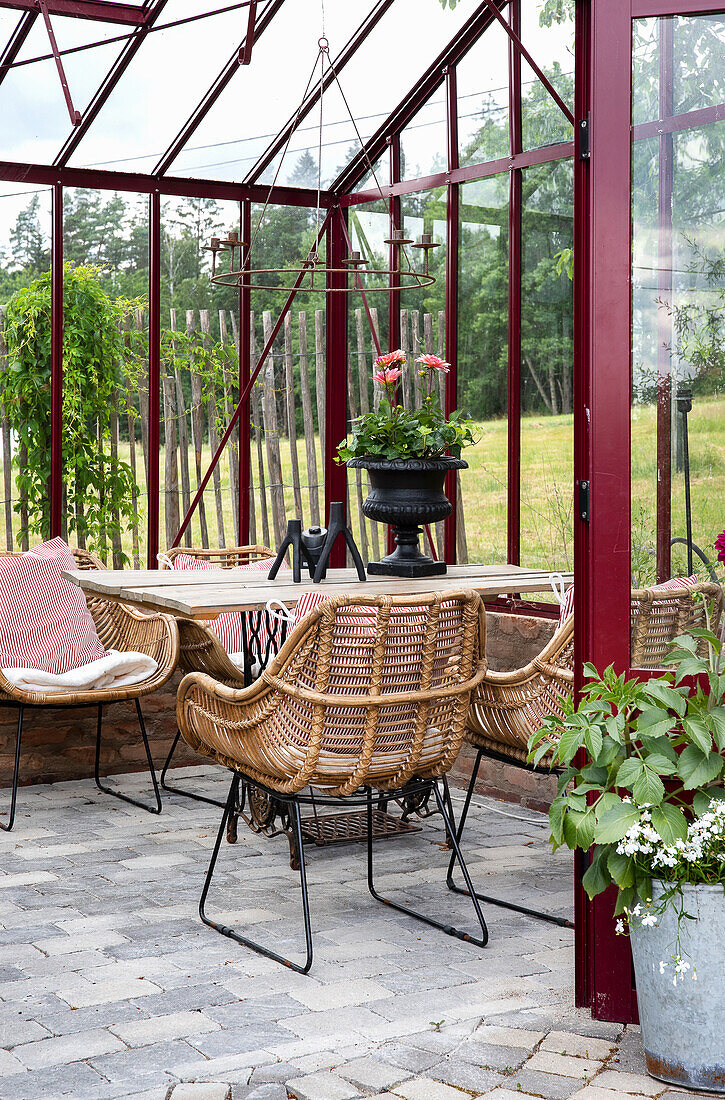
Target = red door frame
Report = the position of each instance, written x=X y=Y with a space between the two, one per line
x=603 y=408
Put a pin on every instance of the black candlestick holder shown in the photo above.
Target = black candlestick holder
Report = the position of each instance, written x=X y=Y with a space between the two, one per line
x=336 y=526
x=293 y=538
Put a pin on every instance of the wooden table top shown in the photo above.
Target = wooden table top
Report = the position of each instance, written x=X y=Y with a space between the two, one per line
x=206 y=595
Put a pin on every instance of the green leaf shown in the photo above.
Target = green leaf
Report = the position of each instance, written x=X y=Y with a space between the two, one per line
x=669 y=822
x=629 y=772
x=613 y=823
x=570 y=742
x=621 y=868
x=596 y=878
x=697 y=768
x=661 y=764
x=593 y=741
x=556 y=820
x=585 y=829
x=698 y=733
x=648 y=787
x=717 y=720
x=666 y=695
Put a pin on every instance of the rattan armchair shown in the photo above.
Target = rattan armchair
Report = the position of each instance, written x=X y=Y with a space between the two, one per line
x=367 y=694
x=199 y=647
x=121 y=628
x=658 y=616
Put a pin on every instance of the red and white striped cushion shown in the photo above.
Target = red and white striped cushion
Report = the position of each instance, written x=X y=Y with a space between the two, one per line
x=676 y=582
x=44 y=620
x=228 y=627
x=567 y=605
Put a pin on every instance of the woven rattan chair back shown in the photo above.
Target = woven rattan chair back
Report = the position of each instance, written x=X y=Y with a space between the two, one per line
x=199 y=648
x=657 y=617
x=508 y=707
x=366 y=691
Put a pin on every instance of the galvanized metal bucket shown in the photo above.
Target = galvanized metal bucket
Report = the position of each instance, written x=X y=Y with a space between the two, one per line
x=682 y=1018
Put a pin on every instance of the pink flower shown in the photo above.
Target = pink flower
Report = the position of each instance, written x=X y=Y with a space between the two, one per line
x=393 y=358
x=387 y=376
x=720 y=547
x=433 y=362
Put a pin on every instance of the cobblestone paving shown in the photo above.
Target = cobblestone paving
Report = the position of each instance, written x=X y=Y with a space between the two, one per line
x=110 y=986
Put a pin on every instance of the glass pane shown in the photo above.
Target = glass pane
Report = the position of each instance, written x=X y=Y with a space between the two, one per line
x=678 y=294
x=35 y=116
x=552 y=48
x=422 y=311
x=483 y=366
x=24 y=360
x=158 y=92
x=288 y=400
x=105 y=374
x=199 y=375
x=483 y=98
x=547 y=358
x=424 y=141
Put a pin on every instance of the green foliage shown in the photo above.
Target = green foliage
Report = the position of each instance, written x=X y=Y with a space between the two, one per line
x=97 y=486
x=640 y=760
x=394 y=432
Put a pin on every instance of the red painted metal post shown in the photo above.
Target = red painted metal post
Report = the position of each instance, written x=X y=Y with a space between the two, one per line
x=396 y=222
x=245 y=370
x=582 y=464
x=152 y=473
x=514 y=302
x=452 y=260
x=336 y=373
x=603 y=544
x=56 y=366
x=664 y=296
x=107 y=11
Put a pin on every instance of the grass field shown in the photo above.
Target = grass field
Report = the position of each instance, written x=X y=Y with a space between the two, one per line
x=546 y=489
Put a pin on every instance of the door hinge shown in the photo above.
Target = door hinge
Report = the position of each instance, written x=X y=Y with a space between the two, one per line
x=584 y=501
x=584 y=129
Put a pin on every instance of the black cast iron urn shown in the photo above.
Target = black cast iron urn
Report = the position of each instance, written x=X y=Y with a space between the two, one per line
x=407 y=493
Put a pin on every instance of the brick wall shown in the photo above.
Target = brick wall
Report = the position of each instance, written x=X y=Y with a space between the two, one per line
x=60 y=744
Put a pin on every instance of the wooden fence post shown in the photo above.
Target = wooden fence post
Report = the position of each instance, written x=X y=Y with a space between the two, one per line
x=271 y=438
x=6 y=442
x=234 y=441
x=320 y=382
x=182 y=432
x=309 y=424
x=197 y=425
x=256 y=411
x=289 y=369
x=171 y=470
x=205 y=320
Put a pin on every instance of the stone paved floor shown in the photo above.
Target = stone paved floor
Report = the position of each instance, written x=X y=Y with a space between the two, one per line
x=110 y=986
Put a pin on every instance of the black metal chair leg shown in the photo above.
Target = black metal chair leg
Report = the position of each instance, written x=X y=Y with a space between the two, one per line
x=450 y=830
x=14 y=796
x=537 y=914
x=230 y=807
x=117 y=794
x=178 y=790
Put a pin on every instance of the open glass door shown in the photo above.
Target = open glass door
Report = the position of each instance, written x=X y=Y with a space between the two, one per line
x=650 y=341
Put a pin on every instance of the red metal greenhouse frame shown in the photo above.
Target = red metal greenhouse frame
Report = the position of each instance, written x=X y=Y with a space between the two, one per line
x=601 y=145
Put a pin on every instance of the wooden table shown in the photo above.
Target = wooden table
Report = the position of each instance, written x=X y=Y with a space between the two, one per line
x=205 y=595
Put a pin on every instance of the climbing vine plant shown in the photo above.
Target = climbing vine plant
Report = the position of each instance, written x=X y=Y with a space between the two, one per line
x=97 y=376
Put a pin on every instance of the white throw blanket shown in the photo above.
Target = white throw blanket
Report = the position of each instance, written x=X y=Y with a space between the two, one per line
x=114 y=670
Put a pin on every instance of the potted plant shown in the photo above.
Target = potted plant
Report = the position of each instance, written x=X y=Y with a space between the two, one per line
x=648 y=804
x=405 y=454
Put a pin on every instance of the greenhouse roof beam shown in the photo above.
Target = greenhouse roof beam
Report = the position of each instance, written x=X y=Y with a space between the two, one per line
x=15 y=42
x=101 y=10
